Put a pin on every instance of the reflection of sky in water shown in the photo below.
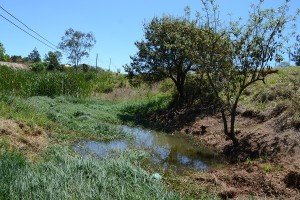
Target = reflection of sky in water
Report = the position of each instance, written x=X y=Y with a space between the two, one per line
x=198 y=164
x=101 y=149
x=161 y=151
x=142 y=137
x=183 y=159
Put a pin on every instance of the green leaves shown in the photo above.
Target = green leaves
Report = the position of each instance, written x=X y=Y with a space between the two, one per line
x=171 y=49
x=77 y=45
x=34 y=56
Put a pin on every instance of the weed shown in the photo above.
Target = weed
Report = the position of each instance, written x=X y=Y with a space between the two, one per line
x=267 y=167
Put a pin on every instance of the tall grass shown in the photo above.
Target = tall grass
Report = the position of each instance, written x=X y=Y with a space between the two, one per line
x=27 y=83
x=62 y=176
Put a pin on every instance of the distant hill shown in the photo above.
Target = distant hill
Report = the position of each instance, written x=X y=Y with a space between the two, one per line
x=15 y=65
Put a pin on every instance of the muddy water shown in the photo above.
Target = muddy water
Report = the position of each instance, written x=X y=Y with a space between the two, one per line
x=175 y=151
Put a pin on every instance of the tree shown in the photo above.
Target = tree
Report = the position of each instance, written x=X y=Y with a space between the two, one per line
x=296 y=53
x=169 y=50
x=245 y=57
x=2 y=51
x=3 y=57
x=34 y=56
x=6 y=58
x=77 y=45
x=16 y=59
x=53 y=59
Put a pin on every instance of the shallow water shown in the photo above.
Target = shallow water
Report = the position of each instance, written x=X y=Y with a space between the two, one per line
x=175 y=151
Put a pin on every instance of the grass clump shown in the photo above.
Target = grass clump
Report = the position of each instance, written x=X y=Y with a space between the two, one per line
x=63 y=176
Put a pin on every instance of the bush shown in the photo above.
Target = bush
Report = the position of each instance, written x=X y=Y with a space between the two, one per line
x=38 y=67
x=199 y=92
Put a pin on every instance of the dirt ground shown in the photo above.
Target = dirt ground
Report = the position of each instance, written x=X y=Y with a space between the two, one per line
x=267 y=167
x=30 y=140
x=14 y=65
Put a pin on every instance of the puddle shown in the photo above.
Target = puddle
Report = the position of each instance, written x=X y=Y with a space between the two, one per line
x=170 y=151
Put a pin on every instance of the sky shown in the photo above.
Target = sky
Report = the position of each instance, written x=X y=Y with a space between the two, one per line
x=116 y=24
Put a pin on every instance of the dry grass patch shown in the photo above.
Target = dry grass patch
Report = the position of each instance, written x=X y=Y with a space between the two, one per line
x=31 y=141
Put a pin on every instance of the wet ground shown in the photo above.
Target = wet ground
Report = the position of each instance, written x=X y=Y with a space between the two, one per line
x=176 y=151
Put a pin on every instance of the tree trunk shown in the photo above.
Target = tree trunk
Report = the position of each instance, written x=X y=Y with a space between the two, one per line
x=230 y=133
x=232 y=121
x=180 y=81
x=180 y=90
x=224 y=122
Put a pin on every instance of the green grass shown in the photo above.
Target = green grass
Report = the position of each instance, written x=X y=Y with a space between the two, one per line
x=70 y=114
x=60 y=174
x=78 y=84
x=278 y=97
x=65 y=176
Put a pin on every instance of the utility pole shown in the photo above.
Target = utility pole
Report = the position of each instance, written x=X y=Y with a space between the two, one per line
x=97 y=61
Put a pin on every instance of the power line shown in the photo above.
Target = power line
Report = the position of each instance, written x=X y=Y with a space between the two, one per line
x=26 y=32
x=27 y=26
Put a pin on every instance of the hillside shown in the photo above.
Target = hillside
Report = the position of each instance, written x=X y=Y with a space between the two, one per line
x=268 y=126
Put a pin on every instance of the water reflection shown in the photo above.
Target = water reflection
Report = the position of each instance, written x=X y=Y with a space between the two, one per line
x=174 y=151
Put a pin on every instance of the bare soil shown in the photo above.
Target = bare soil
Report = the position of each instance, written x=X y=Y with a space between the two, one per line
x=15 y=65
x=267 y=164
x=30 y=140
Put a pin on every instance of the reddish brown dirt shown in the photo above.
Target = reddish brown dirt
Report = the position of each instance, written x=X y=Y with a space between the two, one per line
x=268 y=165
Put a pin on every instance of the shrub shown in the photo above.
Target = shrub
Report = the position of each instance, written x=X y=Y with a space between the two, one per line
x=38 y=67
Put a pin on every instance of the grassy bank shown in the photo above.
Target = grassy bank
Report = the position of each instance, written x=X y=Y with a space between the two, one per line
x=278 y=98
x=38 y=127
x=65 y=176
x=55 y=172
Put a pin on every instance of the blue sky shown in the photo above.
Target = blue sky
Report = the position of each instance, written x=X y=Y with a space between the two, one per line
x=116 y=24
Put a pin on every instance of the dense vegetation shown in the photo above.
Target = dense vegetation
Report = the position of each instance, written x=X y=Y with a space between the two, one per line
x=26 y=83
x=231 y=57
x=68 y=176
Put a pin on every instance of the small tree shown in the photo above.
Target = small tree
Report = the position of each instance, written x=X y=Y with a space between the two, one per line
x=169 y=50
x=53 y=59
x=3 y=57
x=296 y=53
x=77 y=45
x=245 y=57
x=34 y=56
x=2 y=52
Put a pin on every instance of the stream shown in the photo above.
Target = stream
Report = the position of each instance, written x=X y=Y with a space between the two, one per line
x=170 y=151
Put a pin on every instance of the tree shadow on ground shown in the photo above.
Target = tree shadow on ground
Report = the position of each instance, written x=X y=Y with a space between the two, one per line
x=168 y=118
